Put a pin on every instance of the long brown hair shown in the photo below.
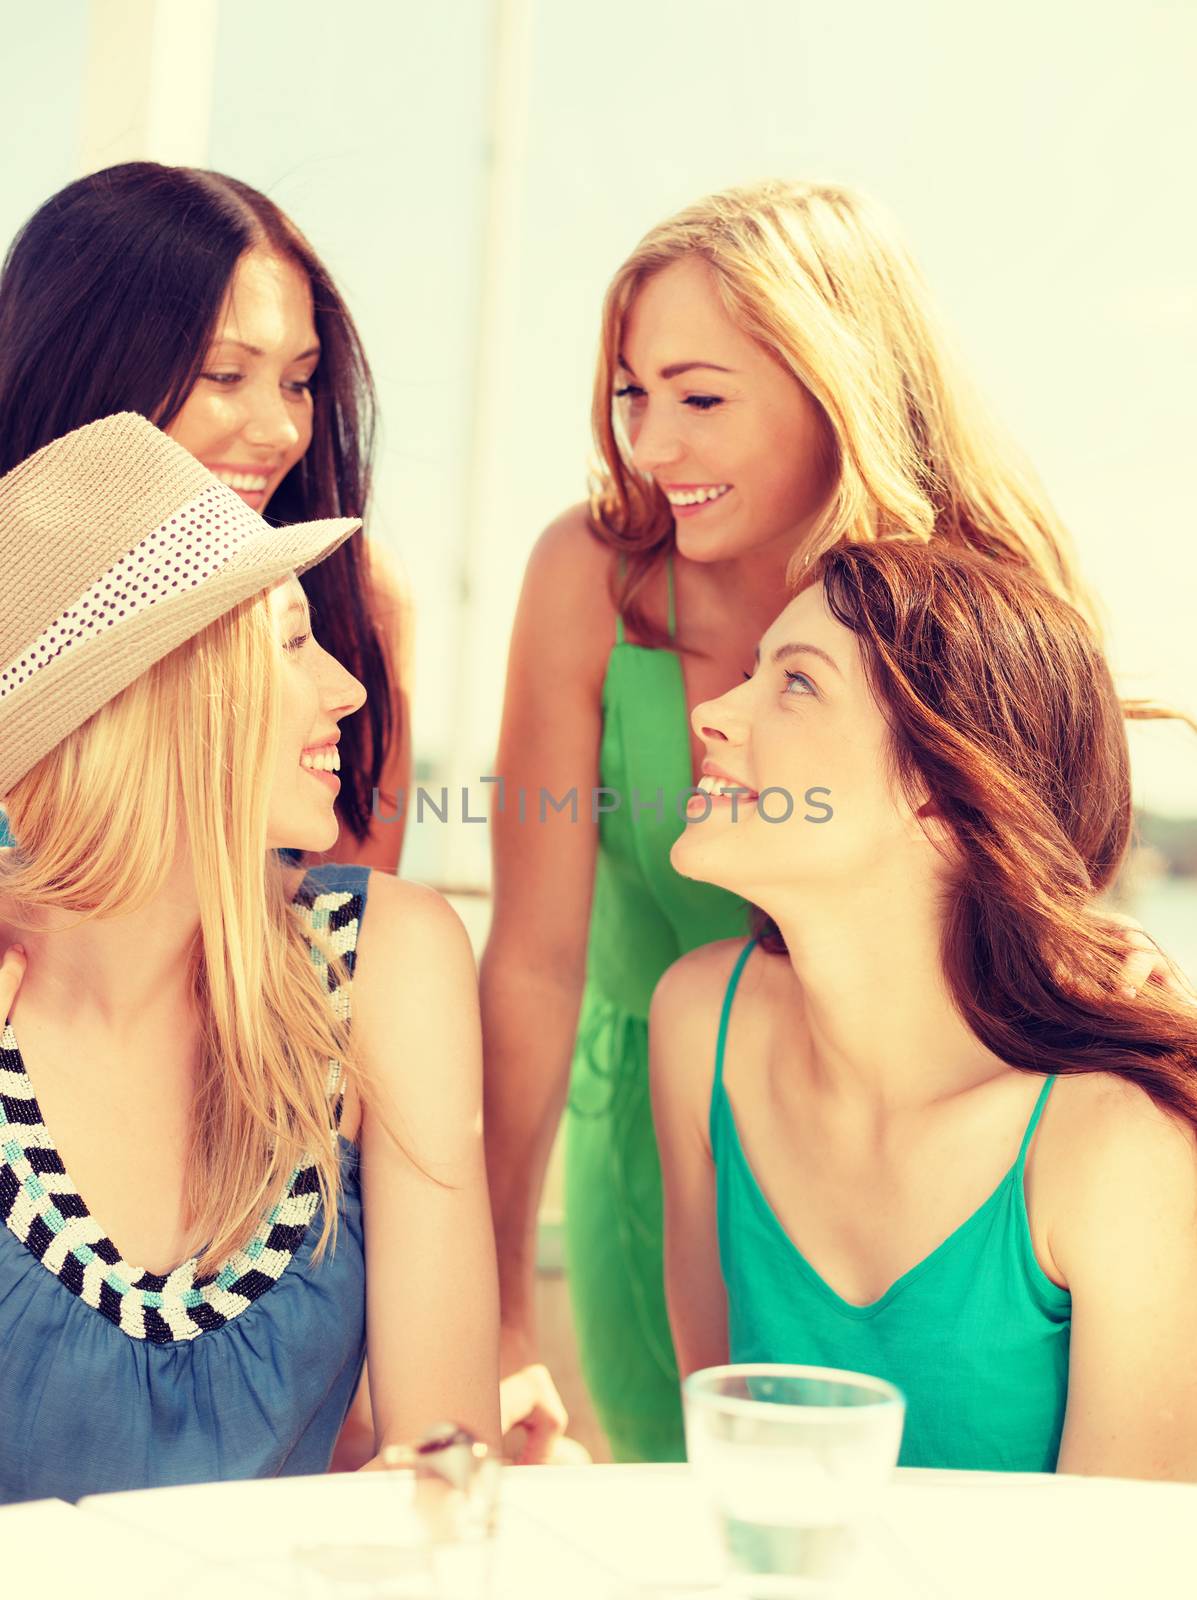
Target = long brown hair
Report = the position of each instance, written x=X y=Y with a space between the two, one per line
x=109 y=297
x=818 y=276
x=1003 y=715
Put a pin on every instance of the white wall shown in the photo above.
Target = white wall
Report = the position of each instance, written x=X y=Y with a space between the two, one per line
x=44 y=52
x=365 y=122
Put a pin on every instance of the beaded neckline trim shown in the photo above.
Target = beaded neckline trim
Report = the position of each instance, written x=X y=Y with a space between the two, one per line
x=42 y=1209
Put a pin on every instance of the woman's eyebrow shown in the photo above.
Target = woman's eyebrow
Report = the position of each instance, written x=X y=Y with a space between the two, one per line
x=256 y=350
x=676 y=368
x=795 y=648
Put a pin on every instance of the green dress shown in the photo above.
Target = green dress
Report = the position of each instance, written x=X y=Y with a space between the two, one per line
x=644 y=917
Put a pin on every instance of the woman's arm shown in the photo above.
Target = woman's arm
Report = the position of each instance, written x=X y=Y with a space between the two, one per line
x=683 y=1026
x=393 y=614
x=431 y=1293
x=1124 y=1236
x=534 y=966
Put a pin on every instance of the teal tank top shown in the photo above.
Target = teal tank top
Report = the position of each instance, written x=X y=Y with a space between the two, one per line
x=975 y=1335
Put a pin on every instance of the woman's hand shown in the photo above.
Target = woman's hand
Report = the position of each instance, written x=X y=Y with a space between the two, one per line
x=532 y=1415
x=1145 y=961
x=12 y=972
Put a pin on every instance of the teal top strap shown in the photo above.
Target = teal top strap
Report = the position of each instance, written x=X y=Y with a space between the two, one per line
x=733 y=984
x=619 y=632
x=1034 y=1122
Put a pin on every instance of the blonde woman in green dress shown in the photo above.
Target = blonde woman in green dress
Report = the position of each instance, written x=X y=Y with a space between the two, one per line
x=770 y=382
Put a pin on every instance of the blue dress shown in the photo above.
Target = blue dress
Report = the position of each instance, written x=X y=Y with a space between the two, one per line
x=116 y=1378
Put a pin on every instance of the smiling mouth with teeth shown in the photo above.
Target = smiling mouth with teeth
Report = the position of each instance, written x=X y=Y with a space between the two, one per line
x=697 y=497
x=326 y=760
x=720 y=788
x=244 y=481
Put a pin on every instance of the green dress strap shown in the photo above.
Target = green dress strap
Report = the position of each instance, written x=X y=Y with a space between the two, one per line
x=623 y=567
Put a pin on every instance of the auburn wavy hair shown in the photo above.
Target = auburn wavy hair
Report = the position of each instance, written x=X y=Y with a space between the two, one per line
x=1003 y=715
x=817 y=274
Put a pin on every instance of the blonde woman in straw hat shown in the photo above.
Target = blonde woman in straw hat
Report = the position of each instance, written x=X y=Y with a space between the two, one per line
x=232 y=1095
x=770 y=381
x=191 y=298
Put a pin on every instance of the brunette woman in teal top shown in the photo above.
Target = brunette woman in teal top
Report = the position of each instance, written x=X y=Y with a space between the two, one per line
x=976 y=1332
x=918 y=1127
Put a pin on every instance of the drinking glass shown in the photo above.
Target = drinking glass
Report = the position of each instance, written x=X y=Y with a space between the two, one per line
x=793 y=1460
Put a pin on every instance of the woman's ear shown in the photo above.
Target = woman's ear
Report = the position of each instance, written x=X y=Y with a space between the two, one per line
x=928 y=820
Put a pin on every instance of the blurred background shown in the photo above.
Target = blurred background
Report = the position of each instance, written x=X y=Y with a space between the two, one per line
x=473 y=171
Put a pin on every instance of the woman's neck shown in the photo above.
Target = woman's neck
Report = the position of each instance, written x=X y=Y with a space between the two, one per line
x=872 y=1004
x=116 y=971
x=753 y=585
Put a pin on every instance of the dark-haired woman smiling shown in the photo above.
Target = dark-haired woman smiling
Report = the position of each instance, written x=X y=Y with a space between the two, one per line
x=191 y=298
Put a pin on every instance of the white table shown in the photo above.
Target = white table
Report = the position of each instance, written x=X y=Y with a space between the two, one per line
x=616 y=1533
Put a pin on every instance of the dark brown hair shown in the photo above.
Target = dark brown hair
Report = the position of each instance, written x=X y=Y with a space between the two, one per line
x=109 y=299
x=1003 y=716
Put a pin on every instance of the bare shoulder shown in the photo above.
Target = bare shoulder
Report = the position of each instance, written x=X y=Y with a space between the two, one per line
x=412 y=941
x=696 y=982
x=1101 y=1116
x=415 y=985
x=686 y=1005
x=390 y=588
x=568 y=576
x=565 y=623
x=403 y=913
x=1115 y=1159
x=571 y=557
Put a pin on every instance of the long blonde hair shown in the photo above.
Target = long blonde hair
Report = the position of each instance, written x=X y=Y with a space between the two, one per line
x=816 y=274
x=184 y=757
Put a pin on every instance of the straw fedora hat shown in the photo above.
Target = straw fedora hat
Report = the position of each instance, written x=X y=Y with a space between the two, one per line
x=116 y=547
